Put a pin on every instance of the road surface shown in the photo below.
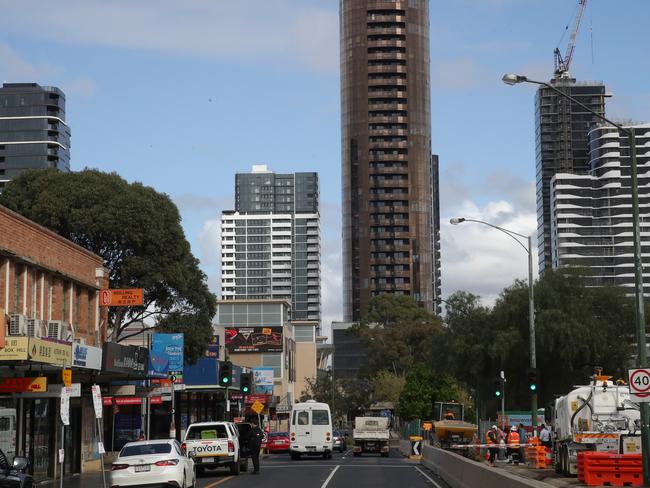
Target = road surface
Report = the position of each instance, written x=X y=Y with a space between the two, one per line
x=343 y=471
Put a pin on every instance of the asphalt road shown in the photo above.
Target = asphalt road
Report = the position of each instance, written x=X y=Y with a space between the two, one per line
x=343 y=471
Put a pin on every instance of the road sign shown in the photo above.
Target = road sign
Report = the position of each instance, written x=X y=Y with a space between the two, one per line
x=639 y=385
x=97 y=401
x=416 y=447
x=257 y=407
x=121 y=298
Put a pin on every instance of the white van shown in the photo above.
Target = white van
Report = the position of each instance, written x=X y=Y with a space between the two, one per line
x=311 y=430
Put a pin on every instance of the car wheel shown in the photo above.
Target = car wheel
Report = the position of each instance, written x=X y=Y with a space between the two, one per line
x=234 y=468
x=200 y=471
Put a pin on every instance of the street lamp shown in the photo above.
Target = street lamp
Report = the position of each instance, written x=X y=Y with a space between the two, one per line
x=531 y=301
x=639 y=318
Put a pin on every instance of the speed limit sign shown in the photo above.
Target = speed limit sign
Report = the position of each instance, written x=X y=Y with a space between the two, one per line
x=640 y=385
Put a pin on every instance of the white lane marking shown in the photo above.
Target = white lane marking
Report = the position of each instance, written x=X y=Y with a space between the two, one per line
x=428 y=477
x=336 y=465
x=329 y=478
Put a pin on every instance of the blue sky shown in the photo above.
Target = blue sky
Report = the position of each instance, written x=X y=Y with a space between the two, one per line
x=182 y=94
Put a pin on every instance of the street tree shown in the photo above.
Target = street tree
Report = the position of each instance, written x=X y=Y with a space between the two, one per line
x=137 y=231
x=387 y=387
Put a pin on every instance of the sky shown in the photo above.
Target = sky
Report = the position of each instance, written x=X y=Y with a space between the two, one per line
x=182 y=94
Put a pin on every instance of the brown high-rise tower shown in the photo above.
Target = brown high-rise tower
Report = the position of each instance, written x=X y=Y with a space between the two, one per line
x=390 y=234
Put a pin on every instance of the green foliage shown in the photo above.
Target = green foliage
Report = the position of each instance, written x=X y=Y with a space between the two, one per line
x=344 y=396
x=387 y=387
x=416 y=399
x=396 y=333
x=137 y=231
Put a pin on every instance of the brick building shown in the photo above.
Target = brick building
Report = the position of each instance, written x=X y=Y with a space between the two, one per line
x=49 y=317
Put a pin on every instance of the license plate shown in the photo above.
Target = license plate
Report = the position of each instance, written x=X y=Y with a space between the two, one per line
x=141 y=468
x=208 y=460
x=311 y=448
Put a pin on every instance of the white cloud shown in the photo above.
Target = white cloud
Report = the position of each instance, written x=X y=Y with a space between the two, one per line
x=14 y=68
x=286 y=31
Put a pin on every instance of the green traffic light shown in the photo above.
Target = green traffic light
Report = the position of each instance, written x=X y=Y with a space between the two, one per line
x=245 y=389
x=533 y=387
x=225 y=380
x=497 y=393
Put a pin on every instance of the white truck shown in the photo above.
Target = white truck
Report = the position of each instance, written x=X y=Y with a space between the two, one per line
x=213 y=445
x=596 y=417
x=371 y=434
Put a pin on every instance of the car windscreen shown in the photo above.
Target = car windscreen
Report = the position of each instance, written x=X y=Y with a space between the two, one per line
x=145 y=449
x=206 y=432
x=320 y=417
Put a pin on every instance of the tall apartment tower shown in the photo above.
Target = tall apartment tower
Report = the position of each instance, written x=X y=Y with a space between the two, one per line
x=387 y=180
x=591 y=222
x=270 y=243
x=33 y=132
x=562 y=145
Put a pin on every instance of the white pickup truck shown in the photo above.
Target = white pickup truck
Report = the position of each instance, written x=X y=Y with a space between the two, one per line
x=213 y=445
x=371 y=434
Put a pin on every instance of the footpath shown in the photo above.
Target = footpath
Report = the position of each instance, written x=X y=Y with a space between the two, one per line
x=77 y=481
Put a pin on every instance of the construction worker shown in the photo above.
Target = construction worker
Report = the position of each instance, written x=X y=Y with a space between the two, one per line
x=449 y=415
x=513 y=442
x=492 y=441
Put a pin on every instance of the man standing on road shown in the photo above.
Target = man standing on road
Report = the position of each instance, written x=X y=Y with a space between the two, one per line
x=523 y=440
x=545 y=436
x=492 y=439
x=255 y=437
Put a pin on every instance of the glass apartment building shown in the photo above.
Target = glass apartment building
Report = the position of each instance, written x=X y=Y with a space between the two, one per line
x=270 y=243
x=33 y=131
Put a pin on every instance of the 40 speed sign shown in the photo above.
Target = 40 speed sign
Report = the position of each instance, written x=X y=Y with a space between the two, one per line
x=639 y=385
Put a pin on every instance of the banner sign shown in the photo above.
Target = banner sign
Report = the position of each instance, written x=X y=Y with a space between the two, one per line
x=86 y=356
x=516 y=418
x=97 y=401
x=65 y=407
x=263 y=381
x=20 y=385
x=263 y=399
x=15 y=349
x=213 y=348
x=124 y=359
x=171 y=347
x=254 y=339
x=50 y=352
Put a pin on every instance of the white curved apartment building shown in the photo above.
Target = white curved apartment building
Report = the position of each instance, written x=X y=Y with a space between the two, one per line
x=591 y=215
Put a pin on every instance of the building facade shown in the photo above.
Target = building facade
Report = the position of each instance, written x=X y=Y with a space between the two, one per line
x=270 y=243
x=33 y=131
x=386 y=152
x=592 y=224
x=49 y=318
x=349 y=354
x=561 y=145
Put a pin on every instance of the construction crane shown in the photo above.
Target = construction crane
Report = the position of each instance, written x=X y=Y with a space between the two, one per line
x=562 y=64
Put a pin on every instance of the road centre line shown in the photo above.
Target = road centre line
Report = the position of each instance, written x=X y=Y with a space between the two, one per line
x=428 y=477
x=211 y=485
x=338 y=465
x=329 y=478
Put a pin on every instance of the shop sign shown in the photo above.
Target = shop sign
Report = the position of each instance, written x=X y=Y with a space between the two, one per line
x=123 y=390
x=73 y=391
x=283 y=409
x=86 y=356
x=15 y=349
x=108 y=401
x=50 y=352
x=254 y=339
x=264 y=399
x=124 y=359
x=121 y=298
x=170 y=346
x=21 y=385
x=155 y=400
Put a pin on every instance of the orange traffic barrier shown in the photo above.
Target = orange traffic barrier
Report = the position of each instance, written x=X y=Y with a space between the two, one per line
x=535 y=454
x=601 y=468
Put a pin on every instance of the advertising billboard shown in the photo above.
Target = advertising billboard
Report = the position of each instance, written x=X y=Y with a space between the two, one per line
x=254 y=339
x=171 y=347
x=263 y=381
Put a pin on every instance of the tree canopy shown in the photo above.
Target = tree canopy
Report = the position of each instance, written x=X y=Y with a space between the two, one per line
x=137 y=231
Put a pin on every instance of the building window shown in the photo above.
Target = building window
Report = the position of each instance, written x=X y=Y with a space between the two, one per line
x=273 y=360
x=304 y=333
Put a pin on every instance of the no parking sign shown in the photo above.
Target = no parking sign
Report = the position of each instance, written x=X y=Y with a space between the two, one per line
x=639 y=385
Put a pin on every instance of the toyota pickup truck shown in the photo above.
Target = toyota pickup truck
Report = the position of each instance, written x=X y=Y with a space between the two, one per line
x=213 y=445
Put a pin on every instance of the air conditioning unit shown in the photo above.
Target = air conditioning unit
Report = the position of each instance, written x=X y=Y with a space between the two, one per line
x=56 y=329
x=34 y=327
x=17 y=325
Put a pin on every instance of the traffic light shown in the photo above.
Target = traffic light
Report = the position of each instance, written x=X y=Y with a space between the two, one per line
x=498 y=387
x=225 y=373
x=245 y=383
x=531 y=374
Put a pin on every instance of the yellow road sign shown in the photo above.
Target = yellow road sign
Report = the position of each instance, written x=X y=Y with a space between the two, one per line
x=257 y=407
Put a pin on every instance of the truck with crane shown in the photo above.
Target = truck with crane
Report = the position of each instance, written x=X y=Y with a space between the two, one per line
x=599 y=416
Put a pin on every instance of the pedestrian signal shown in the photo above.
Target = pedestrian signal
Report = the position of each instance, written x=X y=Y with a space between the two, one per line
x=245 y=383
x=225 y=373
x=531 y=374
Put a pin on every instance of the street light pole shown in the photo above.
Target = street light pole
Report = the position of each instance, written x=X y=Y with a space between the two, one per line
x=639 y=316
x=531 y=302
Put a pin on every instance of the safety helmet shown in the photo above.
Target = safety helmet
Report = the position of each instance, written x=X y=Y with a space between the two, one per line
x=494 y=427
x=513 y=429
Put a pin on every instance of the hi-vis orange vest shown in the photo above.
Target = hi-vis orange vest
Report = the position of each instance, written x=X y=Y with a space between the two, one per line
x=513 y=438
x=487 y=437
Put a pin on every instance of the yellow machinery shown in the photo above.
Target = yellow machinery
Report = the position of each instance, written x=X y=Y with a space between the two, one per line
x=450 y=428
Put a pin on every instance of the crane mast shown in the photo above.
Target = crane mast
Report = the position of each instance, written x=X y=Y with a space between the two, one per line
x=562 y=64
